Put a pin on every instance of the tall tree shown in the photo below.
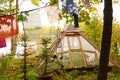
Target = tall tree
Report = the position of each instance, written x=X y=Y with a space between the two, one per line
x=106 y=40
x=14 y=38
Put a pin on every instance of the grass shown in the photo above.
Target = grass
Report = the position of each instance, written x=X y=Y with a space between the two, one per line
x=85 y=75
x=14 y=72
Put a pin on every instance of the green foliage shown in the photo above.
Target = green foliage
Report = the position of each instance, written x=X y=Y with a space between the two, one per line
x=35 y=34
x=115 y=42
x=97 y=1
x=36 y=2
x=68 y=17
x=115 y=1
x=12 y=1
x=3 y=12
x=84 y=14
x=84 y=17
x=3 y=1
x=37 y=28
x=22 y=17
x=5 y=9
x=13 y=71
x=94 y=31
x=53 y=2
x=44 y=52
x=44 y=56
x=47 y=30
x=32 y=74
x=4 y=63
x=74 y=73
x=45 y=41
x=116 y=34
x=84 y=72
x=114 y=75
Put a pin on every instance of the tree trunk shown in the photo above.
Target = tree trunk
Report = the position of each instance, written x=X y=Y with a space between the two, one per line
x=106 y=41
x=14 y=38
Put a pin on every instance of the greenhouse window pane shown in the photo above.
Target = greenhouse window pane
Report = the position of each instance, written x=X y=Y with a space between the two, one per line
x=86 y=45
x=60 y=48
x=74 y=43
x=65 y=44
x=64 y=60
x=91 y=59
x=77 y=59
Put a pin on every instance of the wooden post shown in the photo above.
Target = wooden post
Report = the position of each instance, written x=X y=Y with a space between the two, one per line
x=83 y=53
x=69 y=52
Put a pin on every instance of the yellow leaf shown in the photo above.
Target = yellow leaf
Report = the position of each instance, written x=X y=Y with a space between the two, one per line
x=97 y=1
x=91 y=9
x=36 y=2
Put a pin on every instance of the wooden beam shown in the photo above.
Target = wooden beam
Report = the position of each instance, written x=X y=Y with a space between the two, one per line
x=96 y=56
x=69 y=52
x=83 y=53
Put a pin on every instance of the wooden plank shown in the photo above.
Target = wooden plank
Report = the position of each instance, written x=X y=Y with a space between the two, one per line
x=69 y=52
x=83 y=53
x=96 y=56
x=55 y=44
x=76 y=50
x=80 y=50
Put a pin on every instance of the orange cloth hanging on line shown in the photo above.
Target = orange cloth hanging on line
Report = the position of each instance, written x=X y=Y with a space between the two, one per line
x=8 y=26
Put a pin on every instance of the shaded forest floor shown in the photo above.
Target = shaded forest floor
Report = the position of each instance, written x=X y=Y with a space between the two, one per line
x=14 y=71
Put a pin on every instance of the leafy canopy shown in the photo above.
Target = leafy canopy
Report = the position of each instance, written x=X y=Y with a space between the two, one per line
x=35 y=2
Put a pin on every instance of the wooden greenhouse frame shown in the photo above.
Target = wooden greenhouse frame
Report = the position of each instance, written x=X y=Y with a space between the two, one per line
x=72 y=45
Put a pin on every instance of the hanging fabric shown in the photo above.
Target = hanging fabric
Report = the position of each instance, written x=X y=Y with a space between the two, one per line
x=70 y=6
x=55 y=12
x=8 y=26
x=2 y=43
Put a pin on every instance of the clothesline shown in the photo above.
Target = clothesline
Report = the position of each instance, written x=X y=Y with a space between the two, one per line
x=26 y=10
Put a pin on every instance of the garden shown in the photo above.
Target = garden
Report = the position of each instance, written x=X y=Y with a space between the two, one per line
x=77 y=44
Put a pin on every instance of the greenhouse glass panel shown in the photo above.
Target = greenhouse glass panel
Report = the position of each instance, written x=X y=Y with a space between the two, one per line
x=64 y=44
x=74 y=43
x=77 y=59
x=64 y=59
x=86 y=45
x=60 y=48
x=91 y=59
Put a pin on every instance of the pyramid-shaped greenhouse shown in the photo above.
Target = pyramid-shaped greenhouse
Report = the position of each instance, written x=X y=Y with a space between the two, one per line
x=74 y=50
